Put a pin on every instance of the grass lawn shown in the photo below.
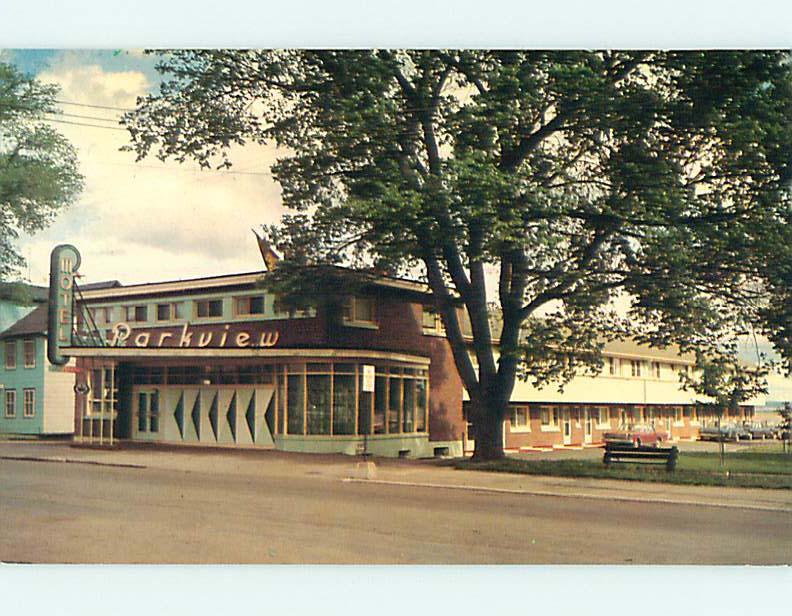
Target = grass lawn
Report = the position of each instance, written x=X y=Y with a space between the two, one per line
x=754 y=469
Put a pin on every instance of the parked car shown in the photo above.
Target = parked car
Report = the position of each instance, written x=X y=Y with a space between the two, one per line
x=761 y=431
x=636 y=435
x=730 y=432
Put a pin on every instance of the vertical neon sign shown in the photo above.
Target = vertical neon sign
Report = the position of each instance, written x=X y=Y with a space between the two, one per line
x=64 y=263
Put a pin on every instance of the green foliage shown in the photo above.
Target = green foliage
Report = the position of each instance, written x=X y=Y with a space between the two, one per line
x=582 y=178
x=38 y=167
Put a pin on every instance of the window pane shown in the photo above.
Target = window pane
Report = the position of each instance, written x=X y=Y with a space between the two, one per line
x=142 y=412
x=343 y=404
x=141 y=313
x=364 y=309
x=420 y=406
x=380 y=402
x=408 y=417
x=216 y=308
x=257 y=305
x=178 y=310
x=154 y=411
x=394 y=405
x=202 y=309
x=364 y=408
x=318 y=409
x=296 y=391
x=163 y=312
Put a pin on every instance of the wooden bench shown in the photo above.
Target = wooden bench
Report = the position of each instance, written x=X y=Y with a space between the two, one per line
x=640 y=455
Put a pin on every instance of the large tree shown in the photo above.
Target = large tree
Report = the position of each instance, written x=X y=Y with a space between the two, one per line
x=38 y=167
x=612 y=193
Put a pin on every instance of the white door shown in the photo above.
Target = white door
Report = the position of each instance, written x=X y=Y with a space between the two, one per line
x=587 y=427
x=566 y=426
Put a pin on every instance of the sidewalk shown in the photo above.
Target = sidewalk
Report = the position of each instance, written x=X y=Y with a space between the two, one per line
x=415 y=474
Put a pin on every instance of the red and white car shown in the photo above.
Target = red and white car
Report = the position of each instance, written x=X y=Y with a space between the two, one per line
x=637 y=435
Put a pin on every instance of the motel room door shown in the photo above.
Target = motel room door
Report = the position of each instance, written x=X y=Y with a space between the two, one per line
x=566 y=426
x=587 y=427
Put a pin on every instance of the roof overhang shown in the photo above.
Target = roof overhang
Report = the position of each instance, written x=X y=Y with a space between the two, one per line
x=238 y=353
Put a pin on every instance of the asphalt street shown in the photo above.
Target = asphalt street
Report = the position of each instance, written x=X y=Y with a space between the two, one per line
x=222 y=512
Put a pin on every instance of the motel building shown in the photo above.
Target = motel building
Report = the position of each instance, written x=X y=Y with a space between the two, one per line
x=213 y=362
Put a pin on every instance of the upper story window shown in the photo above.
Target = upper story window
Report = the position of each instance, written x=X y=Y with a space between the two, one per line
x=29 y=347
x=207 y=308
x=431 y=321
x=170 y=311
x=360 y=310
x=102 y=315
x=613 y=366
x=656 y=369
x=249 y=305
x=635 y=365
x=137 y=313
x=10 y=354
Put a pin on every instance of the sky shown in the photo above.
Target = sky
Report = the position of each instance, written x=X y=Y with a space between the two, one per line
x=142 y=221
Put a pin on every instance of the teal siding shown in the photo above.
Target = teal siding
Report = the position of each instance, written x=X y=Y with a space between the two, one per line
x=19 y=379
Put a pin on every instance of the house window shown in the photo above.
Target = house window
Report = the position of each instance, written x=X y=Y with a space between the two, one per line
x=10 y=403
x=29 y=402
x=360 y=310
x=520 y=419
x=137 y=314
x=613 y=366
x=208 y=308
x=635 y=365
x=29 y=347
x=245 y=306
x=602 y=416
x=10 y=354
x=170 y=312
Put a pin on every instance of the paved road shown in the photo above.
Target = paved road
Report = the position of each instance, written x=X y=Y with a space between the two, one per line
x=57 y=512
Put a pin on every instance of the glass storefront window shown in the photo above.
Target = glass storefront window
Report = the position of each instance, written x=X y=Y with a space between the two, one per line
x=296 y=403
x=394 y=405
x=343 y=404
x=380 y=403
x=318 y=408
x=420 y=406
x=408 y=413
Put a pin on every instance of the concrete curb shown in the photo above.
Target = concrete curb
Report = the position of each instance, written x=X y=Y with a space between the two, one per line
x=71 y=461
x=625 y=499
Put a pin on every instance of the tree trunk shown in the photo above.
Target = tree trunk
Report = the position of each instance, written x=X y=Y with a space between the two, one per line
x=487 y=418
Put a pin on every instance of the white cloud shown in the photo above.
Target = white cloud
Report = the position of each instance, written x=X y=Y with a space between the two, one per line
x=149 y=221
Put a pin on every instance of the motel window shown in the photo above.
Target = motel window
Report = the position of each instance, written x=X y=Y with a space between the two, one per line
x=10 y=354
x=549 y=417
x=10 y=403
x=656 y=369
x=209 y=308
x=521 y=419
x=170 y=312
x=635 y=365
x=29 y=402
x=30 y=353
x=137 y=314
x=103 y=391
x=360 y=310
x=102 y=315
x=244 y=306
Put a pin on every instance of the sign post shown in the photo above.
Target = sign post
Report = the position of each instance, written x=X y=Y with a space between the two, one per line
x=64 y=263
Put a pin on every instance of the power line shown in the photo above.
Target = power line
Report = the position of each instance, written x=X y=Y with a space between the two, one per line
x=93 y=106
x=84 y=117
x=85 y=124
